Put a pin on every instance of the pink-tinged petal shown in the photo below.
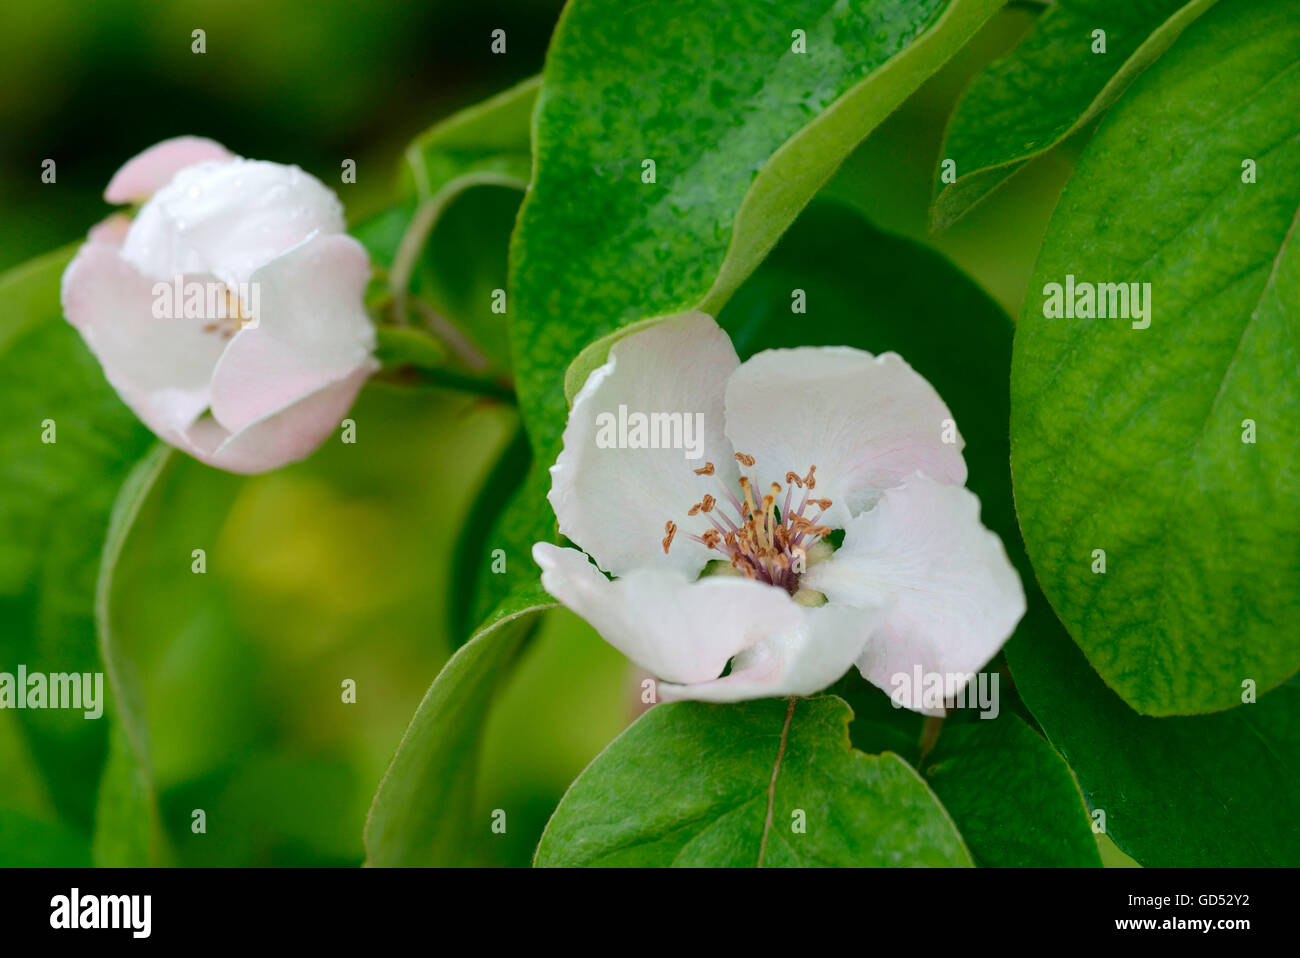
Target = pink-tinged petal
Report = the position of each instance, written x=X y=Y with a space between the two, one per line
x=614 y=502
x=796 y=662
x=311 y=329
x=160 y=367
x=678 y=630
x=229 y=219
x=865 y=422
x=954 y=598
x=111 y=231
x=148 y=172
x=284 y=436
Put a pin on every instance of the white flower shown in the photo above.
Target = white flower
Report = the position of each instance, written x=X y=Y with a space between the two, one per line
x=280 y=358
x=798 y=442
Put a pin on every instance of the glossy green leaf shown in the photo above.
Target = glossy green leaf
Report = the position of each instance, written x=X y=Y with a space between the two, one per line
x=768 y=783
x=442 y=247
x=487 y=144
x=55 y=499
x=1217 y=790
x=1049 y=87
x=526 y=519
x=742 y=131
x=481 y=574
x=1172 y=447
x=463 y=270
x=1012 y=796
x=127 y=828
x=421 y=812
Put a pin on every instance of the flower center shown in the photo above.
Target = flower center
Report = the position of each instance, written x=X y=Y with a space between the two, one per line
x=759 y=540
x=231 y=319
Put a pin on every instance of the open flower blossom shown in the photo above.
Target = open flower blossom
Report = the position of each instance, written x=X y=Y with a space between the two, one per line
x=728 y=560
x=229 y=313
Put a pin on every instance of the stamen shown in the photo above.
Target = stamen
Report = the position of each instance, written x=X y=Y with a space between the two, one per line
x=670 y=527
x=799 y=558
x=756 y=543
x=749 y=498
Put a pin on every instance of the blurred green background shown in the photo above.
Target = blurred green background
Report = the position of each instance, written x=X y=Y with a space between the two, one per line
x=91 y=84
x=337 y=568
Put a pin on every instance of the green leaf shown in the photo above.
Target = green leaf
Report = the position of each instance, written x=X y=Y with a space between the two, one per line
x=381 y=234
x=1130 y=440
x=127 y=828
x=159 y=612
x=772 y=782
x=877 y=725
x=473 y=574
x=146 y=597
x=465 y=263
x=443 y=246
x=406 y=346
x=486 y=145
x=30 y=834
x=1050 y=87
x=55 y=500
x=1216 y=791
x=742 y=131
x=421 y=812
x=526 y=519
x=27 y=842
x=1013 y=798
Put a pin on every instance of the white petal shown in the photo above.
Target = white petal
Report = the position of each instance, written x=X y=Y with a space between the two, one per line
x=228 y=219
x=146 y=173
x=312 y=329
x=284 y=436
x=796 y=662
x=160 y=367
x=613 y=502
x=675 y=629
x=955 y=595
x=865 y=422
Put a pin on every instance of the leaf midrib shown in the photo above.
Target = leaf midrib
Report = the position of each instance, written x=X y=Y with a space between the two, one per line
x=771 y=786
